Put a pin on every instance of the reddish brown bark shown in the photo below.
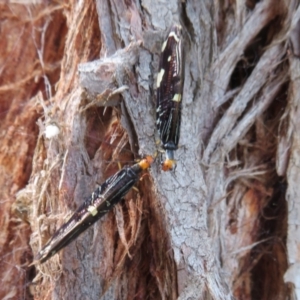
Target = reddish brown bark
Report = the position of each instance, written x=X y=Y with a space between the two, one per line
x=22 y=77
x=221 y=226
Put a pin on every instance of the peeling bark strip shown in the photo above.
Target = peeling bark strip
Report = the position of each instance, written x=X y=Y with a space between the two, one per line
x=29 y=70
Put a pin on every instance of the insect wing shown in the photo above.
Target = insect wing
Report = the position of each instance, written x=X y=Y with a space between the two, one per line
x=97 y=205
x=119 y=184
x=169 y=89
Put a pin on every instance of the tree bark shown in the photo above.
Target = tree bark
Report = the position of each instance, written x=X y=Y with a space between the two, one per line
x=224 y=225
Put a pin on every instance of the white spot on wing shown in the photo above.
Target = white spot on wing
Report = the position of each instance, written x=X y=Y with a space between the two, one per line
x=159 y=77
x=163 y=47
x=177 y=98
x=93 y=210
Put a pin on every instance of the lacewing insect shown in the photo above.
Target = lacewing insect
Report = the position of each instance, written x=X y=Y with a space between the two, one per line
x=97 y=205
x=169 y=95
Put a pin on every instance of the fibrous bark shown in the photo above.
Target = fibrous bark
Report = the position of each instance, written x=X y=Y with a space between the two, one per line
x=220 y=226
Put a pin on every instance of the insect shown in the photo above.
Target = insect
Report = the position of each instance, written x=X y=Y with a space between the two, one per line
x=97 y=205
x=169 y=95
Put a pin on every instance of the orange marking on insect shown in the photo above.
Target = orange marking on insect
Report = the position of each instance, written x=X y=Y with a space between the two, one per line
x=146 y=162
x=168 y=164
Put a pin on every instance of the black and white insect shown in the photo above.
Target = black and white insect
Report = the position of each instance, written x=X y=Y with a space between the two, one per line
x=97 y=205
x=169 y=95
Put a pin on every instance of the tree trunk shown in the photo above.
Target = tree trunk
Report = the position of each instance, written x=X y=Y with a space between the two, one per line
x=78 y=96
